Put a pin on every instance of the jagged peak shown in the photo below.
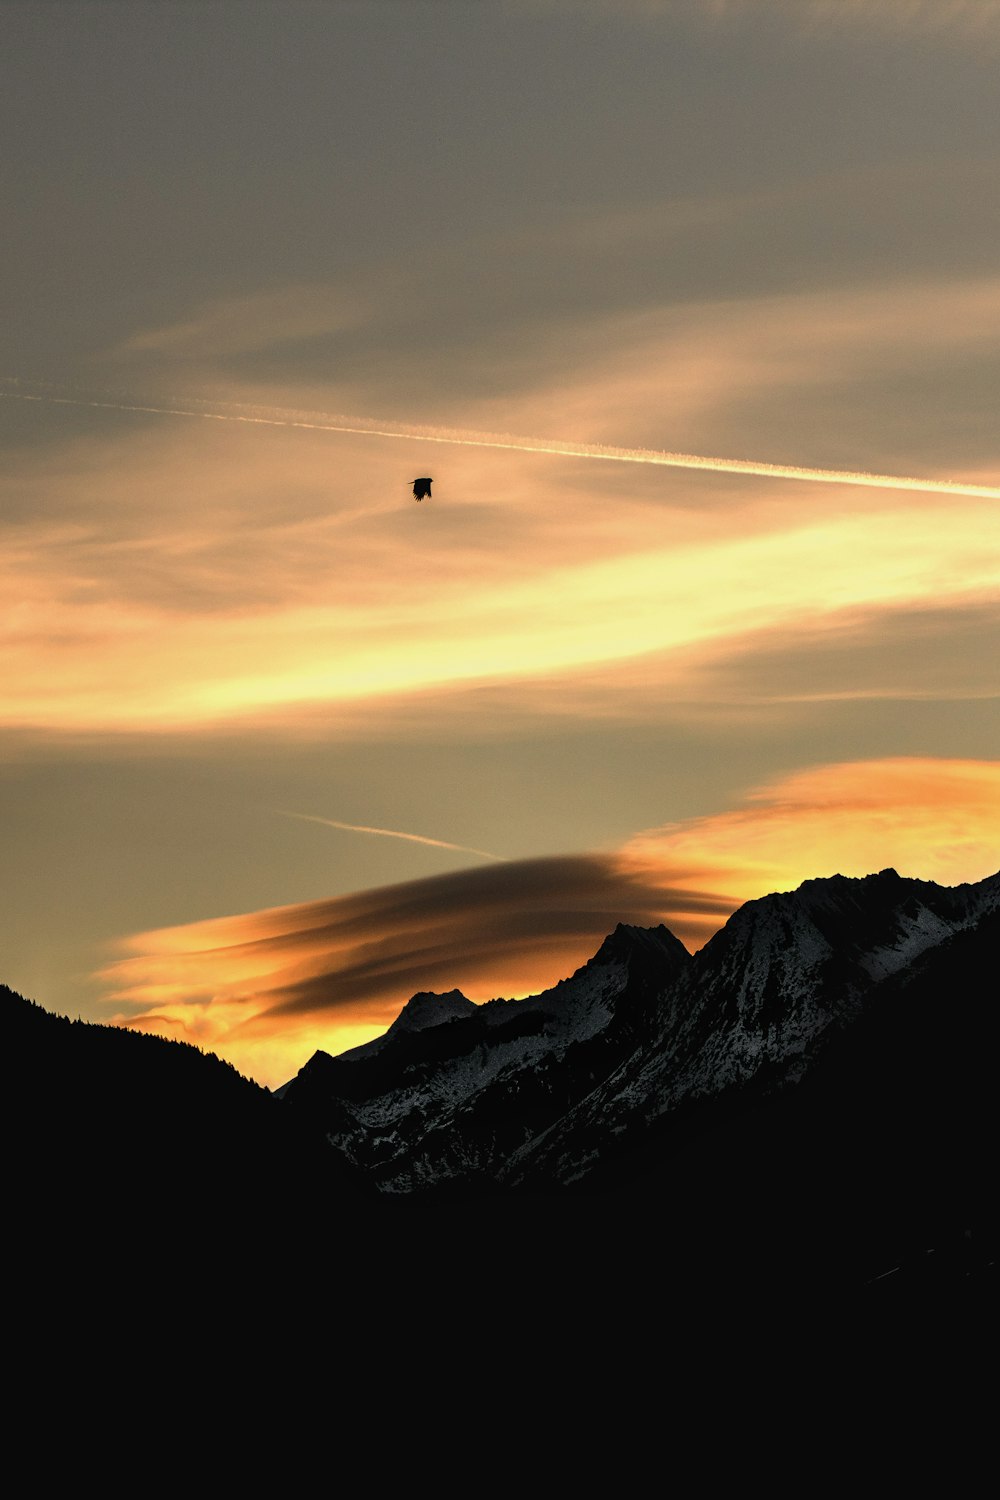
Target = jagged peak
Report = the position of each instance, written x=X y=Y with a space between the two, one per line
x=886 y=877
x=627 y=940
x=823 y=907
x=427 y=1009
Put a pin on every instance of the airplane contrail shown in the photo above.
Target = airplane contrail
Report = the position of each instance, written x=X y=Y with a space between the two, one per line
x=393 y=833
x=375 y=427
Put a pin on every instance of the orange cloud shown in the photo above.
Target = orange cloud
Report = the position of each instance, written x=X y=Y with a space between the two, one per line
x=188 y=614
x=171 y=575
x=261 y=987
x=930 y=819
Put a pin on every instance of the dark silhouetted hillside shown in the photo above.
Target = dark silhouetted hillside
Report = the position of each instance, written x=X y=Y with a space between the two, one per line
x=114 y=1136
x=803 y=1112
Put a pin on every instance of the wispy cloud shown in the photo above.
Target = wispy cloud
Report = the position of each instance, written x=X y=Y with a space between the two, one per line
x=250 y=323
x=962 y=19
x=160 y=580
x=267 y=987
x=385 y=642
x=394 y=833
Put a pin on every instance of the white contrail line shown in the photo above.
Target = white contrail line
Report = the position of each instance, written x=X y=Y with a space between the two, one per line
x=393 y=833
x=374 y=427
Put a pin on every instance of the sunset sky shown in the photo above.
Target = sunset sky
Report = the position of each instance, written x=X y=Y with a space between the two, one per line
x=279 y=746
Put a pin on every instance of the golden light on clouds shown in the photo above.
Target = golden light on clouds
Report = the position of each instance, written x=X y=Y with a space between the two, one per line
x=171 y=575
x=267 y=988
x=194 y=616
x=221 y=603
x=929 y=819
x=257 y=988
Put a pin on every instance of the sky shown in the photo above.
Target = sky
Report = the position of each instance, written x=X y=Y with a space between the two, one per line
x=279 y=746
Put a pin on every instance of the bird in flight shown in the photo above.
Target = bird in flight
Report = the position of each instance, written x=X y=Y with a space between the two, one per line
x=422 y=489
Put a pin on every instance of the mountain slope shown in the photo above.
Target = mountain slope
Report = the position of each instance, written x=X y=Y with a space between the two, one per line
x=805 y=1107
x=759 y=1003
x=453 y=1089
x=876 y=1168
x=542 y=1092
x=139 y=1138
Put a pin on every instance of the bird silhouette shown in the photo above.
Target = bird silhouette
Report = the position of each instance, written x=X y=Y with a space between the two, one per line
x=422 y=489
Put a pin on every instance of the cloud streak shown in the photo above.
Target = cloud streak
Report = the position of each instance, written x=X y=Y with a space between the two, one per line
x=393 y=833
x=382 y=428
x=270 y=986
x=222 y=598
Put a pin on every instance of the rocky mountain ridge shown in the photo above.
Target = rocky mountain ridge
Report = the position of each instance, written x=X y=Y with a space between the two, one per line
x=431 y=1099
x=535 y=1092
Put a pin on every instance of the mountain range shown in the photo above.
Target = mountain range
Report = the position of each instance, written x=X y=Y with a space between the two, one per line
x=808 y=1103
